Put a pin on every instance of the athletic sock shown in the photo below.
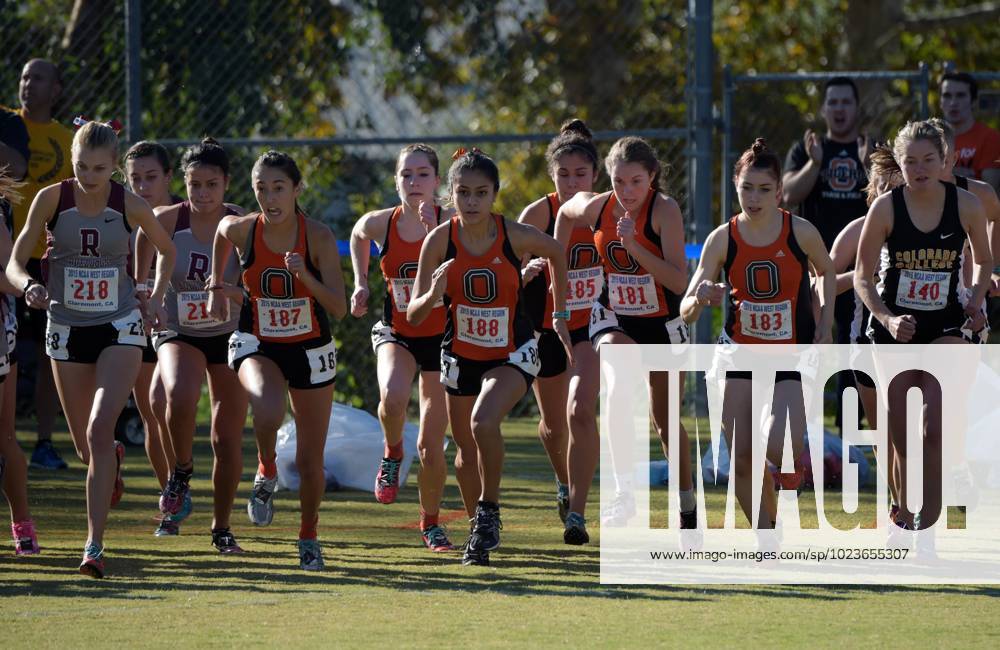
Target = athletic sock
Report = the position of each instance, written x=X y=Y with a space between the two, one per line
x=426 y=520
x=307 y=529
x=267 y=468
x=395 y=452
x=688 y=502
x=184 y=474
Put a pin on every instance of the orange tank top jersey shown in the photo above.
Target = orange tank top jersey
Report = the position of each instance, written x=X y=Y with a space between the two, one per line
x=398 y=261
x=584 y=271
x=631 y=290
x=486 y=316
x=770 y=300
x=277 y=307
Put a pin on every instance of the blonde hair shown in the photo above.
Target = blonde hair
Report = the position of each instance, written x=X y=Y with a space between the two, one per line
x=885 y=159
x=883 y=170
x=95 y=135
x=947 y=130
x=9 y=186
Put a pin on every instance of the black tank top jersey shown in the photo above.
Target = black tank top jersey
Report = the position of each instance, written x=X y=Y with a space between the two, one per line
x=535 y=291
x=919 y=271
x=962 y=182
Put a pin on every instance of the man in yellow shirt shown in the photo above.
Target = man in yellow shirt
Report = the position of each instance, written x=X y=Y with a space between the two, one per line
x=49 y=144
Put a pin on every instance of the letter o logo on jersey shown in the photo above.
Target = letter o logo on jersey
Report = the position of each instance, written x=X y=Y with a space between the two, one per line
x=843 y=174
x=407 y=270
x=762 y=279
x=583 y=256
x=276 y=283
x=619 y=258
x=480 y=286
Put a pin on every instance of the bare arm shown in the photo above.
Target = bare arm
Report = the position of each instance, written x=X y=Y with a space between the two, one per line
x=328 y=289
x=845 y=249
x=371 y=227
x=973 y=218
x=670 y=270
x=140 y=215
x=876 y=229
x=582 y=209
x=797 y=184
x=812 y=245
x=42 y=209
x=6 y=246
x=432 y=276
x=703 y=290
x=231 y=229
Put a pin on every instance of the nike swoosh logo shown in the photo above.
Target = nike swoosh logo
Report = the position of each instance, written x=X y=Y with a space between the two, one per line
x=947 y=236
x=109 y=220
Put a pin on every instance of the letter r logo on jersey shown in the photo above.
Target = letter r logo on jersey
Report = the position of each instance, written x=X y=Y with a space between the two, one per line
x=762 y=279
x=198 y=267
x=90 y=239
x=480 y=286
x=276 y=283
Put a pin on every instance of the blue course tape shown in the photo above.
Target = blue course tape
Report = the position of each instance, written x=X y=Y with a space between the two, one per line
x=692 y=251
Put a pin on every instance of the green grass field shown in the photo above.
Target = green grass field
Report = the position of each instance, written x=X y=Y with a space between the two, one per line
x=381 y=588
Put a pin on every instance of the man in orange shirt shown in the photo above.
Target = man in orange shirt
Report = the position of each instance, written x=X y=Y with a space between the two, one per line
x=977 y=145
x=49 y=143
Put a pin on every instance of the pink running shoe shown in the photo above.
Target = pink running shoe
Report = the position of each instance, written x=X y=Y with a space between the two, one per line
x=387 y=481
x=25 y=539
x=119 y=490
x=93 y=561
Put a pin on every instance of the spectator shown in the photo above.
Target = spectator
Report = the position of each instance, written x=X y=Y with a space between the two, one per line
x=49 y=143
x=977 y=145
x=825 y=177
x=13 y=144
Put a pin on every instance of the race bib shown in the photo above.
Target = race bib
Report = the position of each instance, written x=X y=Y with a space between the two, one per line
x=632 y=295
x=284 y=318
x=483 y=326
x=322 y=363
x=90 y=290
x=767 y=321
x=584 y=286
x=923 y=290
x=402 y=291
x=192 y=310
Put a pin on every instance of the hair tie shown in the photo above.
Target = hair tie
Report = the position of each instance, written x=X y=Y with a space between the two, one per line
x=116 y=125
x=458 y=153
x=80 y=120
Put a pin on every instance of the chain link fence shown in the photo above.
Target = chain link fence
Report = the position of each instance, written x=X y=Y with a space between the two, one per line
x=341 y=86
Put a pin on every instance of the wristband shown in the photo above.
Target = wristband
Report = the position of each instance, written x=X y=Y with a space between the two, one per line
x=27 y=285
x=564 y=315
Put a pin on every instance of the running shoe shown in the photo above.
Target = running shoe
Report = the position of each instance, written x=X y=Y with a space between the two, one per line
x=387 y=481
x=93 y=561
x=966 y=490
x=486 y=527
x=436 y=539
x=175 y=494
x=260 y=507
x=168 y=527
x=562 y=498
x=171 y=524
x=619 y=511
x=926 y=544
x=792 y=481
x=119 y=489
x=225 y=542
x=900 y=536
x=473 y=556
x=575 y=532
x=46 y=456
x=310 y=555
x=689 y=520
x=25 y=539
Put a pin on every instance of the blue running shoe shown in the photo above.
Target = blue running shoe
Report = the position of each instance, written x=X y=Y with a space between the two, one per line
x=46 y=456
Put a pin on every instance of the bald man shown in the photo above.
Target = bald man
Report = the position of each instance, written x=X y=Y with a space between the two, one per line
x=49 y=162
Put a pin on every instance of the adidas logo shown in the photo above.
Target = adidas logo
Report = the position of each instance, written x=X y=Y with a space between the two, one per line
x=780 y=253
x=496 y=260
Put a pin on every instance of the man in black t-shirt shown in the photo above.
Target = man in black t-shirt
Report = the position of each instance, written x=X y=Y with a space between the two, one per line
x=825 y=177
